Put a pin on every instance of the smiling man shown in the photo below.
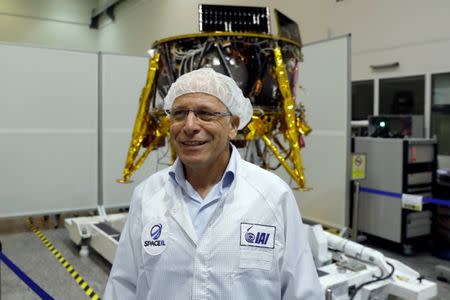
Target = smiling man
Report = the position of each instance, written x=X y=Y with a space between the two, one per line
x=201 y=130
x=212 y=226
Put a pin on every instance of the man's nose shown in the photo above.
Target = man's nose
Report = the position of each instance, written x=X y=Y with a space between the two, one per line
x=191 y=121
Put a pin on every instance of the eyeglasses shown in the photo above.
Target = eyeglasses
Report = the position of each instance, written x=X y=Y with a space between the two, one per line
x=179 y=115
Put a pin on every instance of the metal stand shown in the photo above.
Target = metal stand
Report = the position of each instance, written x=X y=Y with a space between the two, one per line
x=101 y=210
x=328 y=294
x=355 y=213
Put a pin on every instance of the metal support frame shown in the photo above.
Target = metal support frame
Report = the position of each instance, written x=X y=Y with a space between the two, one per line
x=355 y=213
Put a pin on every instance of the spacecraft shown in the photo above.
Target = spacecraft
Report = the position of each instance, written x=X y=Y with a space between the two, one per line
x=235 y=41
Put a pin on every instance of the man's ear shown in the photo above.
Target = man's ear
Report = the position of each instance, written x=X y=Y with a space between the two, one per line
x=234 y=127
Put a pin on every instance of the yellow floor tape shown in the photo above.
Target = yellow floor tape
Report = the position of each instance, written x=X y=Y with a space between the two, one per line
x=81 y=282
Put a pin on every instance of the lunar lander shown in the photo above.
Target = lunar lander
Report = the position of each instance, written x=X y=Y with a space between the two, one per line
x=235 y=42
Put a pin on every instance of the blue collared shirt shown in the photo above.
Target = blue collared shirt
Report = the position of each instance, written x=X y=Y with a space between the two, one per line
x=200 y=209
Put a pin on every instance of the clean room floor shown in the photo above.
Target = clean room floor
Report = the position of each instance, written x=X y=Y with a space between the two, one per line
x=26 y=250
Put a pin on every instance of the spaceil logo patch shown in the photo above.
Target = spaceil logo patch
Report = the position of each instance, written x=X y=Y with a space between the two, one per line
x=154 y=237
x=258 y=235
x=156 y=230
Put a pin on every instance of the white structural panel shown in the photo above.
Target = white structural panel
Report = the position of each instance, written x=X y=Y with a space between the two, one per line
x=325 y=83
x=48 y=122
x=123 y=78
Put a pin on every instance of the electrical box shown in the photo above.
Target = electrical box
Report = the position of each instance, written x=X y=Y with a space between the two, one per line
x=399 y=166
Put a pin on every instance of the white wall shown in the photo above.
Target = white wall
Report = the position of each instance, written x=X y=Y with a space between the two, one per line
x=326 y=157
x=48 y=130
x=49 y=23
x=384 y=23
x=414 y=33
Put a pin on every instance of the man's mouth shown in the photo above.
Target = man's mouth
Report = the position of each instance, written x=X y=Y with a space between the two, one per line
x=193 y=143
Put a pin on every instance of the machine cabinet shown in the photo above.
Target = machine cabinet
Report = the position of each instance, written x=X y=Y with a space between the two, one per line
x=398 y=166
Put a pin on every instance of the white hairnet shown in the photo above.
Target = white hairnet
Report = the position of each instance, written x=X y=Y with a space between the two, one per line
x=208 y=81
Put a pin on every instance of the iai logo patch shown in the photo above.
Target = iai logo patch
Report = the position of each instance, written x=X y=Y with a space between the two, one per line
x=258 y=235
x=154 y=237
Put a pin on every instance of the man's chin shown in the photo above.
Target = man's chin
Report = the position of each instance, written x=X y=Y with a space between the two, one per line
x=192 y=161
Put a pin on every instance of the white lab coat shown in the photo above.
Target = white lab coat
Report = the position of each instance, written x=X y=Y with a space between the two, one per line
x=225 y=263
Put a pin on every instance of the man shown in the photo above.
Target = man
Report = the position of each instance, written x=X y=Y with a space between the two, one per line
x=212 y=226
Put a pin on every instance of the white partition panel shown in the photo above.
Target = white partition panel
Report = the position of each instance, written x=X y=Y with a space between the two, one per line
x=325 y=78
x=48 y=137
x=122 y=80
